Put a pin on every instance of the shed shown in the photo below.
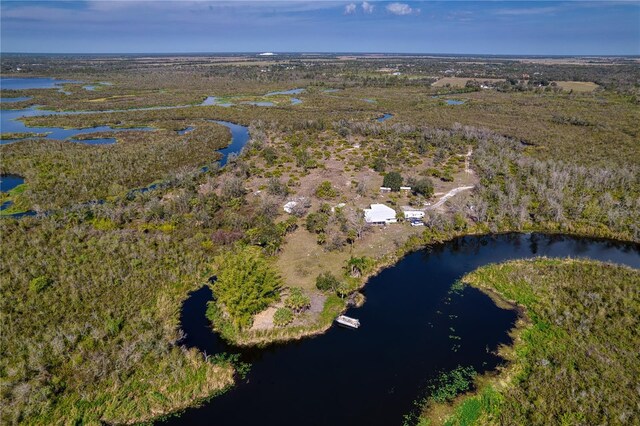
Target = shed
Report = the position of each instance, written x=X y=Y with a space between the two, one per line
x=380 y=214
x=413 y=214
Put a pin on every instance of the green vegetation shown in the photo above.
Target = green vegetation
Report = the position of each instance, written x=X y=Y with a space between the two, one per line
x=282 y=317
x=89 y=323
x=576 y=361
x=246 y=284
x=90 y=292
x=326 y=191
x=10 y=136
x=423 y=187
x=297 y=301
x=327 y=282
x=392 y=180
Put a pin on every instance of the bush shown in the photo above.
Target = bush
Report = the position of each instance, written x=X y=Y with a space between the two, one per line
x=297 y=300
x=327 y=282
x=392 y=180
x=39 y=284
x=423 y=187
x=282 y=317
x=326 y=191
x=317 y=222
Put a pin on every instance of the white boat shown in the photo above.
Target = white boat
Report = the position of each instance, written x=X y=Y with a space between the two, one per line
x=348 y=321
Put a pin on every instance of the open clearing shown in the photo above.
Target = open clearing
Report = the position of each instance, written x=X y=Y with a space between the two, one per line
x=462 y=81
x=578 y=86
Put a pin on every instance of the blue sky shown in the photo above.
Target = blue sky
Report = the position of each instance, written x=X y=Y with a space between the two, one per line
x=481 y=27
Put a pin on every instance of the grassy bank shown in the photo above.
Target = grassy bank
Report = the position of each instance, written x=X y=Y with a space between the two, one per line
x=575 y=360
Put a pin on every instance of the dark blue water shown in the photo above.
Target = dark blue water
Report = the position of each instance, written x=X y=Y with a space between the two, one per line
x=410 y=321
x=239 y=138
x=18 y=99
x=8 y=182
x=385 y=117
x=20 y=83
x=10 y=123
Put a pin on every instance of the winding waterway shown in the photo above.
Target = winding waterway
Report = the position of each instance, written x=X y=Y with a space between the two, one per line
x=413 y=327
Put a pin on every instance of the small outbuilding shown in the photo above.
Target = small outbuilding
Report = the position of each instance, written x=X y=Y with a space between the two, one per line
x=380 y=214
x=413 y=214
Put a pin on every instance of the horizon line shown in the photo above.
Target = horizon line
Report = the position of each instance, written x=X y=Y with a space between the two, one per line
x=276 y=53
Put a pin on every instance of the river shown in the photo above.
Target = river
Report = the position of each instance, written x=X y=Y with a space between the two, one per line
x=414 y=326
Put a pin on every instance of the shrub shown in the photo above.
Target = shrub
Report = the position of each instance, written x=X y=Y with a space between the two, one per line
x=379 y=164
x=327 y=282
x=392 y=180
x=297 y=300
x=357 y=266
x=317 y=222
x=423 y=187
x=326 y=191
x=282 y=317
x=39 y=284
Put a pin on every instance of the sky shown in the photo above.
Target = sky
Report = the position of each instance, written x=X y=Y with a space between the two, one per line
x=460 y=27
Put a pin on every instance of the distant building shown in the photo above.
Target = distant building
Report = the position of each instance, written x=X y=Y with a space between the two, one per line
x=385 y=189
x=405 y=188
x=380 y=214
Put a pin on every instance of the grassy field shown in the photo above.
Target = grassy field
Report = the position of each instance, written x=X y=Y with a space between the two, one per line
x=578 y=86
x=575 y=357
x=461 y=81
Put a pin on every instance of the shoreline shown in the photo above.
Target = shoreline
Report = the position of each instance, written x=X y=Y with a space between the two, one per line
x=387 y=261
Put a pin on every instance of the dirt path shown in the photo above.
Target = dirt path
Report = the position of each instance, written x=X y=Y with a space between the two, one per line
x=450 y=194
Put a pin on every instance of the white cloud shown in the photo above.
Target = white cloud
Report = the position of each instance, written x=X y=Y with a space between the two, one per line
x=401 y=9
x=349 y=9
x=367 y=7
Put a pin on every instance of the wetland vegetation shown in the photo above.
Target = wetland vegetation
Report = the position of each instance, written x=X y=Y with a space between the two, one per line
x=92 y=286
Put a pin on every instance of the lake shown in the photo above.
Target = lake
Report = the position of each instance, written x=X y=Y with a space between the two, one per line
x=414 y=326
x=21 y=83
x=8 y=182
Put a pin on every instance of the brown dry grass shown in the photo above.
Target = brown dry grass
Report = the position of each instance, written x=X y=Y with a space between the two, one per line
x=461 y=81
x=578 y=86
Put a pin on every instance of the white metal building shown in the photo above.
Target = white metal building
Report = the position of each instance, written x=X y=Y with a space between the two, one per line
x=380 y=214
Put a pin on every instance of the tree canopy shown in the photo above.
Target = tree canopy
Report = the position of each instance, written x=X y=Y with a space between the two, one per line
x=246 y=284
x=392 y=180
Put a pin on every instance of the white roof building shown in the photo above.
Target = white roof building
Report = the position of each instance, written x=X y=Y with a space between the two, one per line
x=380 y=214
x=413 y=214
